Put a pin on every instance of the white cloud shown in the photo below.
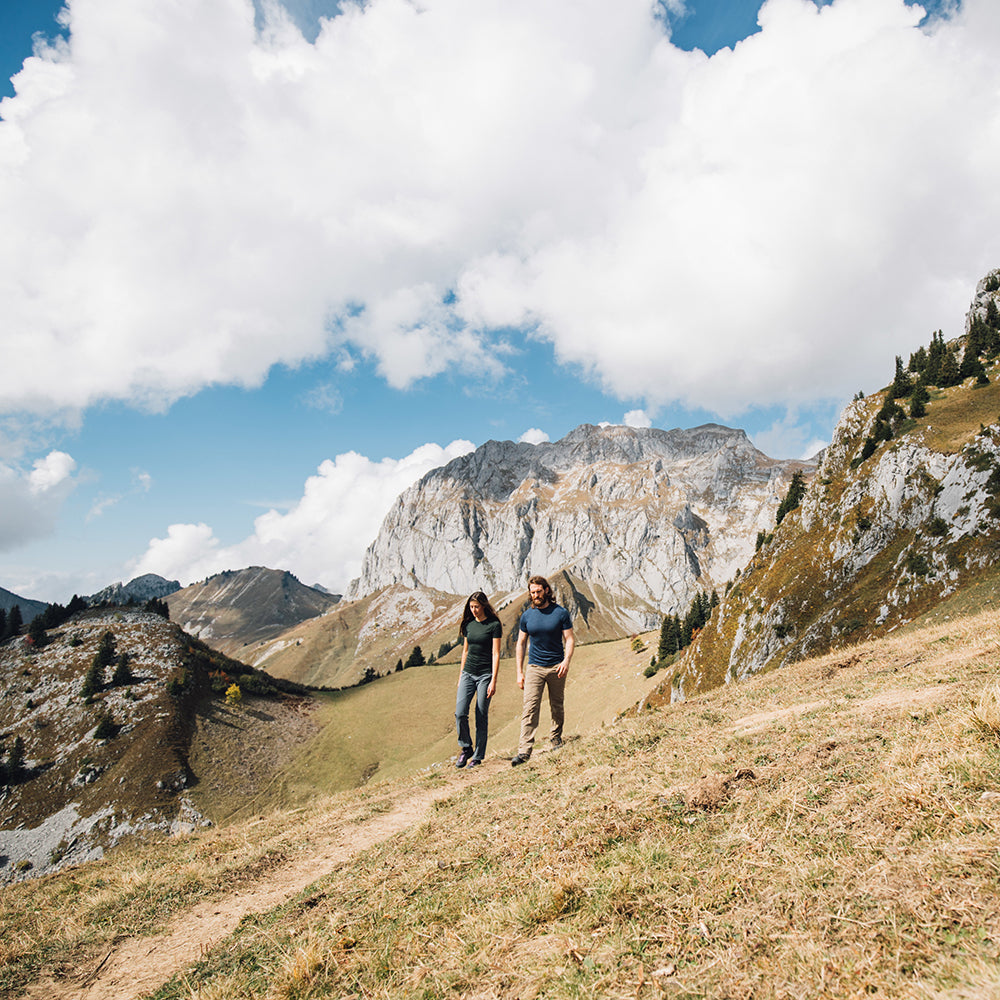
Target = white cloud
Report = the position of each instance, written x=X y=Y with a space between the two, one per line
x=31 y=501
x=637 y=418
x=186 y=201
x=533 y=436
x=321 y=539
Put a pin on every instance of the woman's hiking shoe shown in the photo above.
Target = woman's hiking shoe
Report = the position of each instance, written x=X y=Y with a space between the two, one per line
x=514 y=761
x=463 y=758
x=474 y=762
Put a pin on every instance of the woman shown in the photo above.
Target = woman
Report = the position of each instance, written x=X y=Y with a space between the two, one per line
x=477 y=678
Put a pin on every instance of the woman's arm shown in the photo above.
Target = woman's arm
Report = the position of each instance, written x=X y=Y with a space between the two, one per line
x=496 y=669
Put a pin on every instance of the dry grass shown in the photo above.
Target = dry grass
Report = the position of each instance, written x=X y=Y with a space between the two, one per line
x=826 y=830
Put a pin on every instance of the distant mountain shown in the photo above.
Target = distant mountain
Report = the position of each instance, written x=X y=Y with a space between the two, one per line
x=138 y=591
x=645 y=516
x=902 y=516
x=242 y=608
x=28 y=607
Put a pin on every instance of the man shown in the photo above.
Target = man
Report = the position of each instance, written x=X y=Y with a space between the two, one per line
x=546 y=632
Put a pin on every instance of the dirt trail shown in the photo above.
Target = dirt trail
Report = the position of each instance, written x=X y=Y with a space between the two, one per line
x=135 y=967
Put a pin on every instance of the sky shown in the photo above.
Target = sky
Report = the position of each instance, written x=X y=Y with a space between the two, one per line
x=262 y=267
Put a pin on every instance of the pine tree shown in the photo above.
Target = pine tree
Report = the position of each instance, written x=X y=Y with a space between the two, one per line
x=416 y=658
x=796 y=491
x=15 y=762
x=36 y=632
x=106 y=649
x=919 y=400
x=918 y=361
x=902 y=384
x=949 y=373
x=123 y=675
x=663 y=650
x=14 y=622
x=935 y=358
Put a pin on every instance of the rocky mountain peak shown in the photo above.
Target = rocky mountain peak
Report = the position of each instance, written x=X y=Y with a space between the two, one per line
x=616 y=506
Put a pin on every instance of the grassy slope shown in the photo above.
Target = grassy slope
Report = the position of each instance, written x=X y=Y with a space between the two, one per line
x=827 y=829
x=406 y=721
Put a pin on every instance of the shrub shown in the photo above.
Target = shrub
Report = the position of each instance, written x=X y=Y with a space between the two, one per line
x=233 y=695
x=107 y=728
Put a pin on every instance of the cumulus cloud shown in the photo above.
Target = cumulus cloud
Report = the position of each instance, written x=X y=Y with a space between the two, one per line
x=321 y=539
x=31 y=501
x=533 y=436
x=637 y=418
x=190 y=197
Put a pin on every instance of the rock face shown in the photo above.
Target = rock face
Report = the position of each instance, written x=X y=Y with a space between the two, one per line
x=141 y=589
x=651 y=516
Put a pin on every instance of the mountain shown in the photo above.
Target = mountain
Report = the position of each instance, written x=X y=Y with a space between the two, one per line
x=646 y=516
x=887 y=529
x=240 y=608
x=28 y=608
x=81 y=789
x=138 y=591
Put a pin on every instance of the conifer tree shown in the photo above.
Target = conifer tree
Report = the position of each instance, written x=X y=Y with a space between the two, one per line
x=918 y=361
x=796 y=491
x=416 y=658
x=36 y=631
x=902 y=384
x=949 y=373
x=935 y=358
x=14 y=622
x=918 y=401
x=123 y=675
x=663 y=650
x=15 y=762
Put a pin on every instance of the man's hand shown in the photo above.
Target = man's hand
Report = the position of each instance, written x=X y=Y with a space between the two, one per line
x=520 y=679
x=563 y=669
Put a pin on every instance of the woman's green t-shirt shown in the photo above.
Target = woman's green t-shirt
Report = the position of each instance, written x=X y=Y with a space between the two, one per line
x=479 y=659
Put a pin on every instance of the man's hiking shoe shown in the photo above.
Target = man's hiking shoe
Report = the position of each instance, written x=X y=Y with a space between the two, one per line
x=556 y=744
x=474 y=762
x=463 y=758
x=514 y=761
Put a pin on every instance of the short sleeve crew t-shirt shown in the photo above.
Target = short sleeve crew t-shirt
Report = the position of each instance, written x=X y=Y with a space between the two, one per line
x=479 y=659
x=545 y=627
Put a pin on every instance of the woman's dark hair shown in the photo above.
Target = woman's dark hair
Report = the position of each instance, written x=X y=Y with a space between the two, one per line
x=484 y=603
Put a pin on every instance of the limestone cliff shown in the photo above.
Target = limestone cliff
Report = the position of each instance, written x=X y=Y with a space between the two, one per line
x=649 y=516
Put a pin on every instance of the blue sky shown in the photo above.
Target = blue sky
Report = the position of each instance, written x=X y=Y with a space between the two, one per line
x=263 y=271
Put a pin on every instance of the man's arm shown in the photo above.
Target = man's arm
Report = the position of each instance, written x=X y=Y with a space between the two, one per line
x=569 y=644
x=519 y=650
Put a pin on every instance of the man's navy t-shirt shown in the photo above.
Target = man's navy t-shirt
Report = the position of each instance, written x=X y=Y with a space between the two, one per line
x=545 y=627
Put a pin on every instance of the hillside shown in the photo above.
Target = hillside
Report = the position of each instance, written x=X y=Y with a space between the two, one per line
x=28 y=608
x=894 y=522
x=825 y=829
x=80 y=789
x=374 y=633
x=243 y=608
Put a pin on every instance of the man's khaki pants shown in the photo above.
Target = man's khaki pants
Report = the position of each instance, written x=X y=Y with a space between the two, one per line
x=536 y=679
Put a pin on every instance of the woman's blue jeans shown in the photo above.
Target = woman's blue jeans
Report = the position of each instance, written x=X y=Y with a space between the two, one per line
x=472 y=686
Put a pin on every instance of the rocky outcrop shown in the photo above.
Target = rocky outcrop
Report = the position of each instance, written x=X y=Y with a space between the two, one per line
x=143 y=588
x=879 y=538
x=649 y=515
